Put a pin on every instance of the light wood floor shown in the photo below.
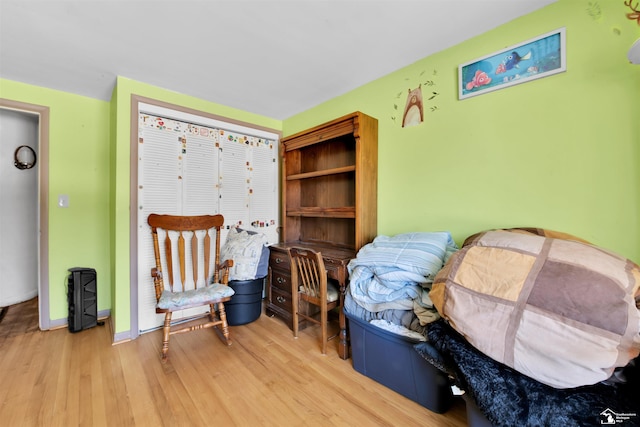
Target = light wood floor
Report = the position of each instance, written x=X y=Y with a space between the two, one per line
x=266 y=378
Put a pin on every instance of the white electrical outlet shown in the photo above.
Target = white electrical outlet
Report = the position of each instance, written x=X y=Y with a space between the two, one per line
x=63 y=201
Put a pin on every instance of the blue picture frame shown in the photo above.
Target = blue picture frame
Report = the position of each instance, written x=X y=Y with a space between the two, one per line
x=533 y=59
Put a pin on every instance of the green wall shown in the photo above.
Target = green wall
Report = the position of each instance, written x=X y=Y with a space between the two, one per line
x=560 y=152
x=78 y=166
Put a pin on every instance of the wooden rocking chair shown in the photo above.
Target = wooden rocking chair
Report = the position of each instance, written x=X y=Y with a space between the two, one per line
x=187 y=240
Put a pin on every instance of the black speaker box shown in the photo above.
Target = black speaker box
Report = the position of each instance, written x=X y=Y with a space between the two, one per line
x=82 y=298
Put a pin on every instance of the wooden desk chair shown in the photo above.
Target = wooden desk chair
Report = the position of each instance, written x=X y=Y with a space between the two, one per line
x=184 y=260
x=309 y=283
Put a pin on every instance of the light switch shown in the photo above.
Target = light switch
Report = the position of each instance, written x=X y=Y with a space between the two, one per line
x=63 y=200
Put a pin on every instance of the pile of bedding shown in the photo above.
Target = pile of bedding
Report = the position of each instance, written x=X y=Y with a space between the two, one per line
x=391 y=277
x=539 y=328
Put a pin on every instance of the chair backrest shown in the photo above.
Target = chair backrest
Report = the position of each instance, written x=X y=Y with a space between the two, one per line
x=186 y=239
x=309 y=273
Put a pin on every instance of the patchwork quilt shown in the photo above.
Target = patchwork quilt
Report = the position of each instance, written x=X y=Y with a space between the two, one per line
x=547 y=304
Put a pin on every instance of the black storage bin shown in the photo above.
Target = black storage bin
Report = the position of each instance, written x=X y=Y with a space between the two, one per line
x=475 y=417
x=246 y=304
x=391 y=360
x=82 y=298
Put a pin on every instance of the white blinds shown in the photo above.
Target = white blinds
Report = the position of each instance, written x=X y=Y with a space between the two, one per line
x=186 y=168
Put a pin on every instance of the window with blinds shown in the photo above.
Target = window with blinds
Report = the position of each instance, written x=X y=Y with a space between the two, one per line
x=190 y=165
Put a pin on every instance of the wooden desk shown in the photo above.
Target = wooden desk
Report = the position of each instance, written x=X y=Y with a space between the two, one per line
x=279 y=290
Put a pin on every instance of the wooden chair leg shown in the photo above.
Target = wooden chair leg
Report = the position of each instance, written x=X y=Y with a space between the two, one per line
x=295 y=306
x=166 y=329
x=213 y=316
x=225 y=326
x=323 y=322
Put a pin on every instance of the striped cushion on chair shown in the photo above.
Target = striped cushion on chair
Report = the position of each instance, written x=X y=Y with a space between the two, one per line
x=175 y=300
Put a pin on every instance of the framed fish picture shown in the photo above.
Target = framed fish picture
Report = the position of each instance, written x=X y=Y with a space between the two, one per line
x=533 y=59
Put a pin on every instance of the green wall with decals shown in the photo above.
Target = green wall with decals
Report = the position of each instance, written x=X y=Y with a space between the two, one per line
x=560 y=152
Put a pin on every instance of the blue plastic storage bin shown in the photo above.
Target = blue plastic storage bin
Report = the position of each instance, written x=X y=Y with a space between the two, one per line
x=391 y=360
x=245 y=305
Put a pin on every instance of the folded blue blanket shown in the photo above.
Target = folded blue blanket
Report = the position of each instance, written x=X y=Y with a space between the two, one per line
x=393 y=272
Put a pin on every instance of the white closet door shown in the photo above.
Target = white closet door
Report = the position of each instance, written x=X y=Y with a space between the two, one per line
x=234 y=181
x=158 y=169
x=189 y=169
x=249 y=184
x=263 y=179
x=200 y=176
x=177 y=175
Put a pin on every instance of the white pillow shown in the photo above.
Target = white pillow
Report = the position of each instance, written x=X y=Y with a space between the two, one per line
x=245 y=250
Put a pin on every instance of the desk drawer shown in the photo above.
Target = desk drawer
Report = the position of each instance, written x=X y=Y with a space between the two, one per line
x=281 y=280
x=279 y=259
x=281 y=299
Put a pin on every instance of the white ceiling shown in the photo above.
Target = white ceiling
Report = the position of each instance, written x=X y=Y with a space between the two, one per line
x=274 y=58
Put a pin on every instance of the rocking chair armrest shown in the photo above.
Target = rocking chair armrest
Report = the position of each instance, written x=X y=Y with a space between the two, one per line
x=223 y=270
x=157 y=282
x=228 y=263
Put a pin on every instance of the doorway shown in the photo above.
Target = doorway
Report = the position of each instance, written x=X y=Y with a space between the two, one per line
x=24 y=130
x=19 y=210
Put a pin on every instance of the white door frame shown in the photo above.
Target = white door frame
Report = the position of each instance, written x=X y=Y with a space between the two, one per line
x=43 y=203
